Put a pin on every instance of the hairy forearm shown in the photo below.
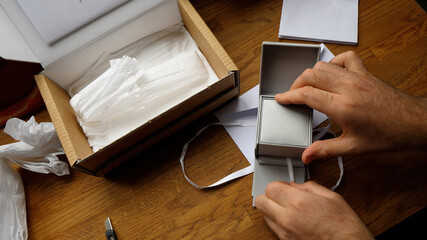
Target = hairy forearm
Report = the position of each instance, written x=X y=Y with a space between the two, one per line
x=417 y=126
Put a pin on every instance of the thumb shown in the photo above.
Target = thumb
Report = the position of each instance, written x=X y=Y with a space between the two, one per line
x=327 y=148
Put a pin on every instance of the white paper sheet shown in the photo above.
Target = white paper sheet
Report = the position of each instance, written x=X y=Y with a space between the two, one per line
x=320 y=20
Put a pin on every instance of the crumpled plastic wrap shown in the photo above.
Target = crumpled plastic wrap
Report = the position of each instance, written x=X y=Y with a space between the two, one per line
x=36 y=151
x=38 y=147
x=13 y=217
x=146 y=79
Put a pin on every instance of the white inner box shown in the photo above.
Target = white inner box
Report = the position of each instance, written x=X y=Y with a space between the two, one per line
x=284 y=125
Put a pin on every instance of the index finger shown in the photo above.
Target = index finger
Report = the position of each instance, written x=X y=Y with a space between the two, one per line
x=349 y=60
x=315 y=98
x=325 y=76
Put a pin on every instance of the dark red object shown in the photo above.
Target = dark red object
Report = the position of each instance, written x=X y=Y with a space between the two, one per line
x=19 y=95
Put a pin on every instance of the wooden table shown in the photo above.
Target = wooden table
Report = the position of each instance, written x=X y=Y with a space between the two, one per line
x=148 y=197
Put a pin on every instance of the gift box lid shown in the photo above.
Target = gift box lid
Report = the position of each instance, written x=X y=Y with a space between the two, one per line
x=66 y=58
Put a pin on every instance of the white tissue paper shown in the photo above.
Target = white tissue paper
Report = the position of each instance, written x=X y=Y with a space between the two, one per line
x=143 y=80
x=36 y=152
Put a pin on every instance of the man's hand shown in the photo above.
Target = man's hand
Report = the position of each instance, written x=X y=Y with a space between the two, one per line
x=309 y=211
x=373 y=115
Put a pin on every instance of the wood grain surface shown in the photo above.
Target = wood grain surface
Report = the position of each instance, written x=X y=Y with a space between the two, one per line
x=148 y=197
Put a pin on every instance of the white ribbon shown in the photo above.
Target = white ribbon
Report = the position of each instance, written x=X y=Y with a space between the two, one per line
x=290 y=169
x=240 y=173
x=249 y=169
x=323 y=131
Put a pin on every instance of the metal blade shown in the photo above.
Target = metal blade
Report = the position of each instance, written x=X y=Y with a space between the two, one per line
x=108 y=225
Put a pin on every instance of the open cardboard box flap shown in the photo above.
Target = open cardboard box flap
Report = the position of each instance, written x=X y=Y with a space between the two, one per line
x=74 y=141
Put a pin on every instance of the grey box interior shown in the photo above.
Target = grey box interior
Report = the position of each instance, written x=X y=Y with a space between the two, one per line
x=282 y=63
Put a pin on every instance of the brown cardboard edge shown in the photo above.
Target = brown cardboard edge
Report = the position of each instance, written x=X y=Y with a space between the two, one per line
x=268 y=44
x=70 y=133
x=207 y=96
x=134 y=150
x=209 y=44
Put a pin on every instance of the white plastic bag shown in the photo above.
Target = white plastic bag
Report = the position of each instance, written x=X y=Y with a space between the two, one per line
x=37 y=151
x=13 y=215
x=38 y=147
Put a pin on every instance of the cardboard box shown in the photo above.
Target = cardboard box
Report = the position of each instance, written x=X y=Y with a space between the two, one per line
x=74 y=141
x=283 y=132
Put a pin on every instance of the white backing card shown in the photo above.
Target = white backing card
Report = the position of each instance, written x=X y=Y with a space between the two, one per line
x=12 y=44
x=320 y=20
